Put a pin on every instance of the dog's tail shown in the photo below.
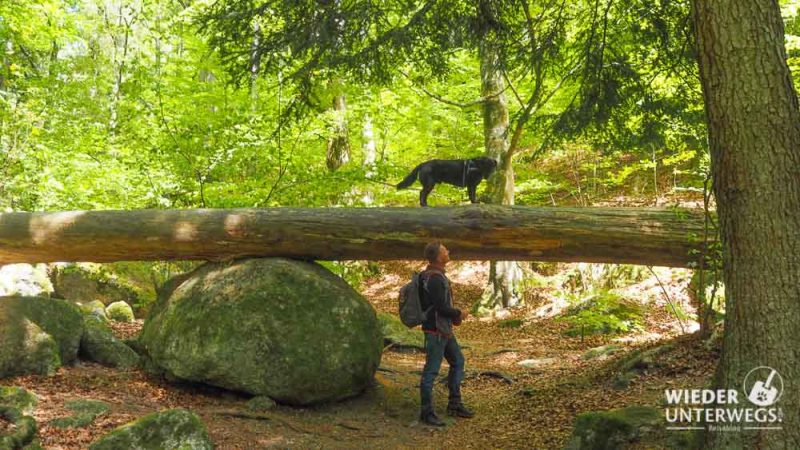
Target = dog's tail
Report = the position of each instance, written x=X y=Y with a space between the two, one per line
x=410 y=179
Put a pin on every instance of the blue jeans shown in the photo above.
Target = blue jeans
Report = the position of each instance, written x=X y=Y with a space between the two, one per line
x=438 y=348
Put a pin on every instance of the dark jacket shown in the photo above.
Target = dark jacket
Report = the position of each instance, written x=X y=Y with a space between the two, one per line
x=436 y=293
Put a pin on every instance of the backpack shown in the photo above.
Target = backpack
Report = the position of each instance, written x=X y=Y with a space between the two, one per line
x=411 y=312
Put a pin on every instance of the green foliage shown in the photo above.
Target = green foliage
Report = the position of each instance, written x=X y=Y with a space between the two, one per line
x=586 y=278
x=603 y=313
x=354 y=272
x=135 y=107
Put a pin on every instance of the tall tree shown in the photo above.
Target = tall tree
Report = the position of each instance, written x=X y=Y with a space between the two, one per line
x=501 y=289
x=377 y=42
x=754 y=135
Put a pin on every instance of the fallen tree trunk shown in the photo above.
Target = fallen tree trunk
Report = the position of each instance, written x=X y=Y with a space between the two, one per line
x=478 y=232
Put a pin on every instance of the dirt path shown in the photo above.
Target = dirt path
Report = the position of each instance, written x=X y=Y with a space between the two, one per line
x=531 y=408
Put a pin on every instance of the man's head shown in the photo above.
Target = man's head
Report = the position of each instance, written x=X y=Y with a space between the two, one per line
x=436 y=253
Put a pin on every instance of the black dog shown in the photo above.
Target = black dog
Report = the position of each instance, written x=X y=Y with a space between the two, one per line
x=458 y=172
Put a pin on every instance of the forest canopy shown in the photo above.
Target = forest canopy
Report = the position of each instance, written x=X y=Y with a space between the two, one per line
x=107 y=104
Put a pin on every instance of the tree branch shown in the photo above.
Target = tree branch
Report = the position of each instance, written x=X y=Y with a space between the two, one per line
x=441 y=99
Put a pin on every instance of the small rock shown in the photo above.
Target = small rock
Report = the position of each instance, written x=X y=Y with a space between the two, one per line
x=120 y=311
x=601 y=352
x=261 y=403
x=536 y=363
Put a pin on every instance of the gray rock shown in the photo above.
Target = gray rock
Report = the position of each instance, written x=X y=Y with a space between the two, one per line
x=536 y=363
x=602 y=352
x=171 y=429
x=37 y=335
x=287 y=329
x=629 y=427
x=25 y=279
x=98 y=344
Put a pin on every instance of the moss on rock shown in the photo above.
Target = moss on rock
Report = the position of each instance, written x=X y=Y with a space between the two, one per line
x=120 y=311
x=37 y=335
x=98 y=344
x=171 y=429
x=614 y=429
x=23 y=432
x=85 y=412
x=18 y=398
x=260 y=403
x=287 y=329
x=96 y=308
x=84 y=282
x=16 y=405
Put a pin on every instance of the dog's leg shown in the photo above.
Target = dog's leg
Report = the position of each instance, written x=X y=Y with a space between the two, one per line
x=423 y=194
x=471 y=189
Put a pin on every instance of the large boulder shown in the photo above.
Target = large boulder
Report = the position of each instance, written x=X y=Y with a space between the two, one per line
x=287 y=329
x=37 y=335
x=98 y=344
x=171 y=429
x=25 y=279
x=84 y=282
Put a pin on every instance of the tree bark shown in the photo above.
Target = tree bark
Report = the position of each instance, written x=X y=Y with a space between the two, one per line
x=754 y=136
x=338 y=153
x=501 y=290
x=475 y=232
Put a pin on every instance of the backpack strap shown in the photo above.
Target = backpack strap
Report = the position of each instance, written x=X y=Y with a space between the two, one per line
x=426 y=274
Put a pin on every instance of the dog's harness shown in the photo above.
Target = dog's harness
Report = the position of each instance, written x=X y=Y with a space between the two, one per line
x=467 y=163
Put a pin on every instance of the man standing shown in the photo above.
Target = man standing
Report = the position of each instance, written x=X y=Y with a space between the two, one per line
x=440 y=342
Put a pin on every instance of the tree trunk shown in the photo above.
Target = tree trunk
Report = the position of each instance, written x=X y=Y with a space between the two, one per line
x=475 y=232
x=338 y=152
x=501 y=290
x=368 y=147
x=255 y=66
x=754 y=137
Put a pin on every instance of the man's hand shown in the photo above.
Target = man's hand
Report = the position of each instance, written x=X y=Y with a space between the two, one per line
x=457 y=321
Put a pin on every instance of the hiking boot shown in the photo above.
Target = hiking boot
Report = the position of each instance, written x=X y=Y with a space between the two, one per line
x=460 y=410
x=431 y=419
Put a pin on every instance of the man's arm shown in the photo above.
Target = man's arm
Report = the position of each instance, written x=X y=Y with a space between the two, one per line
x=437 y=295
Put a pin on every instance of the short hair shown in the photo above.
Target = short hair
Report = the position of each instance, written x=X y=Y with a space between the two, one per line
x=432 y=251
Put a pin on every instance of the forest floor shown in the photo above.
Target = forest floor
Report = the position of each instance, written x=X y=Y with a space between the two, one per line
x=528 y=408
